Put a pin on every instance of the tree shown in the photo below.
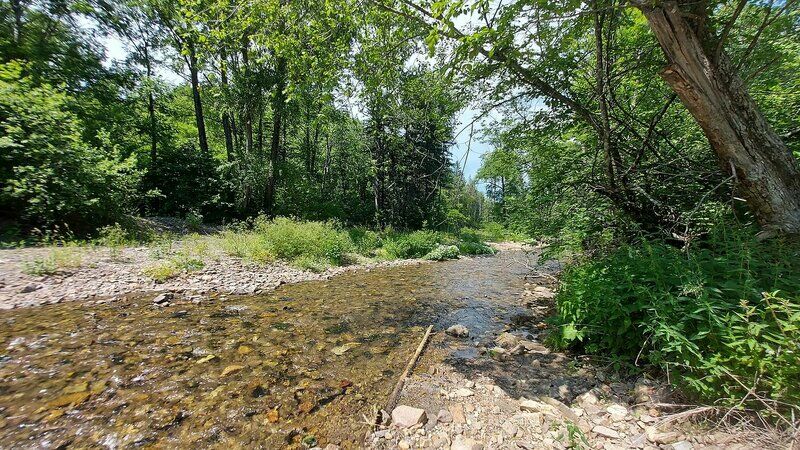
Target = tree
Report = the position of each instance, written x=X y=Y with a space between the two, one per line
x=701 y=74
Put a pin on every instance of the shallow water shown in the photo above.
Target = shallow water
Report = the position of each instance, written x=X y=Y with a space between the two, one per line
x=307 y=362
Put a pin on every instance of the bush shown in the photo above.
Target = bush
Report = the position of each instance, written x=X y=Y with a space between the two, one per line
x=290 y=239
x=474 y=248
x=412 y=245
x=725 y=317
x=442 y=253
x=48 y=173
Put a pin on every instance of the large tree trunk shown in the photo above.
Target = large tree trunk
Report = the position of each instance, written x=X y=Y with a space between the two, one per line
x=766 y=173
x=226 y=117
x=278 y=100
x=151 y=108
x=198 y=103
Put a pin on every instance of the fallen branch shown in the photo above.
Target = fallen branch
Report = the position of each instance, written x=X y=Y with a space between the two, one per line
x=390 y=403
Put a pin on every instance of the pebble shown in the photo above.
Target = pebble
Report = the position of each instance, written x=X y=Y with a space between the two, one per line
x=458 y=330
x=606 y=432
x=462 y=443
x=463 y=392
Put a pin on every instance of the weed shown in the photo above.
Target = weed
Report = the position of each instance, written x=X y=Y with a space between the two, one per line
x=57 y=260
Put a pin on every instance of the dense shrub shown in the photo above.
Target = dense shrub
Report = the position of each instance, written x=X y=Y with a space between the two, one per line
x=725 y=316
x=290 y=239
x=48 y=174
x=412 y=245
x=442 y=253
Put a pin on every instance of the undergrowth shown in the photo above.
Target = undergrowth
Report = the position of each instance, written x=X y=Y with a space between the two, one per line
x=722 y=318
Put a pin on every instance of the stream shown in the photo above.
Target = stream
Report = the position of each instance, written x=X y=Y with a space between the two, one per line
x=306 y=363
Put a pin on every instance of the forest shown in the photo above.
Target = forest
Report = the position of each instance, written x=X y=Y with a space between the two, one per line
x=651 y=146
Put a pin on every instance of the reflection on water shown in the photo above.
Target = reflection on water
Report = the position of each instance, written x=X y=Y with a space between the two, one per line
x=308 y=362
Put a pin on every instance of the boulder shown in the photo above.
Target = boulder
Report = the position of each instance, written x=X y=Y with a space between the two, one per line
x=406 y=416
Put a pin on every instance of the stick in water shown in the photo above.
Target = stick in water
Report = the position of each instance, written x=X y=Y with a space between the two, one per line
x=390 y=404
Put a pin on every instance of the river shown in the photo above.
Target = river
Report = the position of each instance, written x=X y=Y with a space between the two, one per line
x=306 y=362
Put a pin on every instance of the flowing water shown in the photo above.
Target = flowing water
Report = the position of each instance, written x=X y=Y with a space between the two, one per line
x=307 y=362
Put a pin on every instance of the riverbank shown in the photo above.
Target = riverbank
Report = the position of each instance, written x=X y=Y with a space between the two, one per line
x=104 y=274
x=505 y=390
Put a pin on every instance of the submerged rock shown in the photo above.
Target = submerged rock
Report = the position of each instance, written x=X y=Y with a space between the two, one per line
x=230 y=370
x=342 y=349
x=163 y=298
x=458 y=330
x=407 y=416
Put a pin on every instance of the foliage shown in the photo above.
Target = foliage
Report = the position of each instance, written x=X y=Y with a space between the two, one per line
x=411 y=245
x=48 y=173
x=725 y=314
x=172 y=267
x=442 y=253
x=290 y=239
x=58 y=259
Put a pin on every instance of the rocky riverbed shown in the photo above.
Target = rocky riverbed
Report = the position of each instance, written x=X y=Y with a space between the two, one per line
x=108 y=274
x=513 y=393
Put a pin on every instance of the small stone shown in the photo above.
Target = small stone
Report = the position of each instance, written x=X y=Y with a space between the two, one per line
x=661 y=438
x=605 y=432
x=243 y=350
x=32 y=287
x=463 y=392
x=234 y=368
x=206 y=359
x=406 y=416
x=458 y=330
x=681 y=445
x=163 y=298
x=618 y=412
x=533 y=406
x=462 y=443
x=273 y=416
x=73 y=399
x=507 y=340
x=342 y=349
x=444 y=416
x=404 y=444
x=78 y=387
x=457 y=412
x=331 y=447
x=510 y=429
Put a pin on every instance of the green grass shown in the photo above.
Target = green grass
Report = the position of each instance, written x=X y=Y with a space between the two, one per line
x=169 y=268
x=317 y=246
x=58 y=259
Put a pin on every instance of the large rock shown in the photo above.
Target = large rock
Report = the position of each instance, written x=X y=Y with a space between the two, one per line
x=458 y=330
x=406 y=416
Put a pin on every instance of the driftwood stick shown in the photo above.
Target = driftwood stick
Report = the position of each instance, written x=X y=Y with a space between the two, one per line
x=390 y=403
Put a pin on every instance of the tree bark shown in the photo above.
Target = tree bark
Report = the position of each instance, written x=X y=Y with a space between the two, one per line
x=198 y=102
x=151 y=107
x=226 y=117
x=278 y=100
x=766 y=173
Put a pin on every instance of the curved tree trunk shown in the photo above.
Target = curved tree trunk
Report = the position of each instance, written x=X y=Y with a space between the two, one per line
x=766 y=173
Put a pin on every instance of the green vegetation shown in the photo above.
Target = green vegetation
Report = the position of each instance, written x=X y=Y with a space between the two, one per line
x=343 y=114
x=58 y=259
x=316 y=246
x=725 y=316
